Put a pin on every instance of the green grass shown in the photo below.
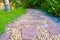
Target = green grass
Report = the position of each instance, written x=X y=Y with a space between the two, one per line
x=7 y=17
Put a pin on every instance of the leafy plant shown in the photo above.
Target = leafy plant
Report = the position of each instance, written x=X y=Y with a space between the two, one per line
x=15 y=3
x=50 y=6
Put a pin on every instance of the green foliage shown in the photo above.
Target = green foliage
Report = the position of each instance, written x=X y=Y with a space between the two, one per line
x=7 y=17
x=50 y=6
x=16 y=3
x=31 y=3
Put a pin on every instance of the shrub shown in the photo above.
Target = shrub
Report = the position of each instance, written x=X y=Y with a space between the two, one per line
x=15 y=4
x=50 y=6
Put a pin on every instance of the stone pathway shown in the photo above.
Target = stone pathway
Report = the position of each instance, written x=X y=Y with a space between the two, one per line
x=32 y=26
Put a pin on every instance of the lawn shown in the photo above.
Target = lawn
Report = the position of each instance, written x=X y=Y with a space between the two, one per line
x=7 y=17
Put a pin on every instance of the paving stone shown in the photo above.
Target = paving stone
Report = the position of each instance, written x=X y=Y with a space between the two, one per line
x=29 y=32
x=5 y=36
x=55 y=30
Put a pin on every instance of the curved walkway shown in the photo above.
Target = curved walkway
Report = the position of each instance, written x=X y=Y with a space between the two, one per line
x=31 y=26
